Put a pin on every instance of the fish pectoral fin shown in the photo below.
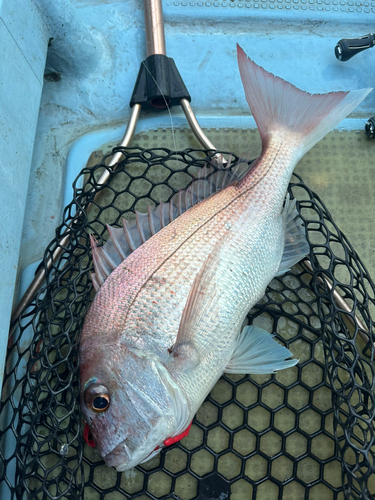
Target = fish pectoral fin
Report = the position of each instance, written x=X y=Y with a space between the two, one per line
x=257 y=352
x=185 y=354
x=200 y=307
x=296 y=246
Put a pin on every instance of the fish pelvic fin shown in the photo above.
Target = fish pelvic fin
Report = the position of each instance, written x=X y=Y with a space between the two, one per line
x=278 y=105
x=256 y=352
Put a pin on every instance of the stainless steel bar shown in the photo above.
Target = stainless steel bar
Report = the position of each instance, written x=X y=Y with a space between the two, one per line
x=154 y=25
x=341 y=303
x=125 y=141
x=40 y=275
x=155 y=41
x=194 y=125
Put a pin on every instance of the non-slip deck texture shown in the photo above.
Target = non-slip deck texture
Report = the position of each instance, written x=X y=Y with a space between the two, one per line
x=327 y=10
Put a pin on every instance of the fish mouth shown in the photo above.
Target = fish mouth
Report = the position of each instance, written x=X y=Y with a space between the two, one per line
x=120 y=458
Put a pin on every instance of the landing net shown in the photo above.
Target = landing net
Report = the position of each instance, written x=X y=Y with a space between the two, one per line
x=306 y=432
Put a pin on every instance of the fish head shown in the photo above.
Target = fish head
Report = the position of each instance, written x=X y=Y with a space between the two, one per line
x=131 y=405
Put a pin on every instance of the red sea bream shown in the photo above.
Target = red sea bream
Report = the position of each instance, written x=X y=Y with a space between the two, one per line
x=165 y=322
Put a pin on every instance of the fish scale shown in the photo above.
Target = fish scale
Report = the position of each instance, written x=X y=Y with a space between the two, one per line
x=165 y=323
x=201 y=237
x=165 y=301
x=181 y=236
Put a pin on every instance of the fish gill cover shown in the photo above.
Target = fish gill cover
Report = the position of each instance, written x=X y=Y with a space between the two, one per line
x=253 y=434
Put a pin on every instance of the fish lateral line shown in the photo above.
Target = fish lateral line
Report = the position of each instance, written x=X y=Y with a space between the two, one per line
x=192 y=234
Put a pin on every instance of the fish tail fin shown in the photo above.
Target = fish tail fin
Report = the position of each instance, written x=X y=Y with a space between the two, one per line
x=278 y=105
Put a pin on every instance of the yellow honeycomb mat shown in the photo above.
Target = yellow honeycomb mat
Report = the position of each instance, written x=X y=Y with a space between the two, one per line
x=339 y=170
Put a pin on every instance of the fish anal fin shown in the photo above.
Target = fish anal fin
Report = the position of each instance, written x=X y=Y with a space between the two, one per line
x=257 y=352
x=296 y=246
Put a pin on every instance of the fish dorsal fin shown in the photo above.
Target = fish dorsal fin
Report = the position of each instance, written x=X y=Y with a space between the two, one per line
x=123 y=241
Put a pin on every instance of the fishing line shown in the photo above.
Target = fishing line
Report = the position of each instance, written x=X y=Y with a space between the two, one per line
x=166 y=104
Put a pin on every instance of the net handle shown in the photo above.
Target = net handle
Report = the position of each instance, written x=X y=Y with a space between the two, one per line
x=155 y=39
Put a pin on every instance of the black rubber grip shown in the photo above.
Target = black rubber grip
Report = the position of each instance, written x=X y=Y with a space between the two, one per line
x=370 y=127
x=349 y=47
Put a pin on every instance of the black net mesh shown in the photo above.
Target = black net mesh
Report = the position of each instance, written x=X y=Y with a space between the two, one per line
x=306 y=432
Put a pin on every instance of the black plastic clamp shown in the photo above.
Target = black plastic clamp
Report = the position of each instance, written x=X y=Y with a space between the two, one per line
x=159 y=84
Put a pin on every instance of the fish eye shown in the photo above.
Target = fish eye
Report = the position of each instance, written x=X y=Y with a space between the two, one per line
x=100 y=403
x=96 y=398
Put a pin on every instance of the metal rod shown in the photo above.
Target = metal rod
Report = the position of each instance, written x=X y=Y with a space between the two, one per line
x=155 y=41
x=125 y=141
x=341 y=303
x=41 y=274
x=194 y=125
x=154 y=25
